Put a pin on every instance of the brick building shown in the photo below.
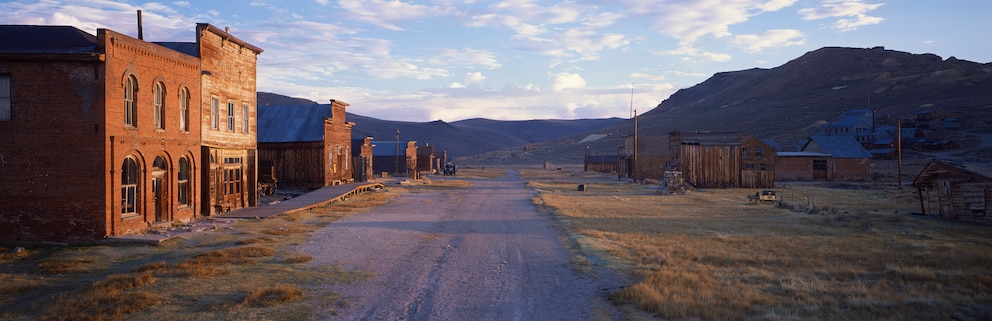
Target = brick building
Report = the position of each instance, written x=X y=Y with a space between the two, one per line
x=308 y=145
x=101 y=134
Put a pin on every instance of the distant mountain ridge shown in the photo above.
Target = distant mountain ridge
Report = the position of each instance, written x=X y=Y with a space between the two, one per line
x=785 y=103
x=460 y=138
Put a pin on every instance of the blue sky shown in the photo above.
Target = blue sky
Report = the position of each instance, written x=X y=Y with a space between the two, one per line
x=526 y=59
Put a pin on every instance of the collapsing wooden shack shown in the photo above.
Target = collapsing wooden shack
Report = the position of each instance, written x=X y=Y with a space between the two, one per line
x=955 y=192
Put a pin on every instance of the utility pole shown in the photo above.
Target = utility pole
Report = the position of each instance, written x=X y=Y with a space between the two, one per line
x=397 y=151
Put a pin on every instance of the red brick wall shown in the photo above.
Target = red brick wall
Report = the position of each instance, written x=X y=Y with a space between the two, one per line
x=61 y=168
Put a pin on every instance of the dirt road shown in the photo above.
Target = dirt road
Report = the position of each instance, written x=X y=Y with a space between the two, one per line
x=472 y=253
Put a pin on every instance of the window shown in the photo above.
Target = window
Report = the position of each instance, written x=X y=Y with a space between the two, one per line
x=129 y=186
x=230 y=116
x=184 y=109
x=346 y=153
x=130 y=110
x=159 y=106
x=330 y=160
x=819 y=164
x=183 y=178
x=244 y=118
x=214 y=113
x=744 y=152
x=761 y=166
x=757 y=151
x=5 y=100
x=748 y=167
x=232 y=176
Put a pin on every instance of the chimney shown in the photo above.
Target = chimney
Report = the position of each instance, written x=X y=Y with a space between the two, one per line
x=140 y=33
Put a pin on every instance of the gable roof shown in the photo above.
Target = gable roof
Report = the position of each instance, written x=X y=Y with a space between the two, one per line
x=292 y=123
x=45 y=39
x=838 y=146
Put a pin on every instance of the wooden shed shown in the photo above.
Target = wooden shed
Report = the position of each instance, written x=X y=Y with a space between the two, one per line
x=955 y=192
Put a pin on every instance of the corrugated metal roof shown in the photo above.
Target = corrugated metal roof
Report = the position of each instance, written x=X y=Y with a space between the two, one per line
x=45 y=39
x=838 y=146
x=189 y=48
x=388 y=148
x=292 y=123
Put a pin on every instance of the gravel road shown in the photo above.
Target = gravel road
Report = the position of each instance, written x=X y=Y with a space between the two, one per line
x=472 y=253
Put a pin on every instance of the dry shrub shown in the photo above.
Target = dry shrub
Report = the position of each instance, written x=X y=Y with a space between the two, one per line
x=153 y=266
x=211 y=263
x=300 y=258
x=108 y=299
x=277 y=294
x=57 y=265
x=254 y=240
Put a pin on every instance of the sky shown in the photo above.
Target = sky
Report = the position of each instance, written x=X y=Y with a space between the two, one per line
x=452 y=60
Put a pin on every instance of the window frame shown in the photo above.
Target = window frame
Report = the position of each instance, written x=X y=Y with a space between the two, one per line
x=131 y=101
x=183 y=183
x=214 y=113
x=159 y=105
x=230 y=116
x=244 y=118
x=184 y=109
x=130 y=176
x=6 y=97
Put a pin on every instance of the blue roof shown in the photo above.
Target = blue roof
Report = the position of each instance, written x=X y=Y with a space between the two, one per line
x=839 y=146
x=292 y=123
x=388 y=148
x=45 y=39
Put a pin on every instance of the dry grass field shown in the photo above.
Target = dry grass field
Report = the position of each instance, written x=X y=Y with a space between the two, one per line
x=241 y=272
x=831 y=252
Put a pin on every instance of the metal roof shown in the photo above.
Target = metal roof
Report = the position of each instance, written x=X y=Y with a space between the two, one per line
x=189 y=48
x=388 y=148
x=292 y=123
x=45 y=39
x=838 y=146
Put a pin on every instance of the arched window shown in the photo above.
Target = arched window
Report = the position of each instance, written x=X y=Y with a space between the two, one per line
x=159 y=106
x=130 y=109
x=129 y=186
x=184 y=186
x=184 y=109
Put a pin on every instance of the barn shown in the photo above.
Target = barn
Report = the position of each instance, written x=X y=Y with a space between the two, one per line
x=955 y=192
x=309 y=145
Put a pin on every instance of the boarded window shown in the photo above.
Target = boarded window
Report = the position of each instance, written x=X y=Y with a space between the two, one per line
x=214 y=113
x=5 y=101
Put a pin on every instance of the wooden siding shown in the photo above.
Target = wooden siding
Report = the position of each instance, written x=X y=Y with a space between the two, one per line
x=951 y=192
x=297 y=165
x=711 y=166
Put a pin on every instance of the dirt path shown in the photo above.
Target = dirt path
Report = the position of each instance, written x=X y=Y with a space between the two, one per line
x=476 y=253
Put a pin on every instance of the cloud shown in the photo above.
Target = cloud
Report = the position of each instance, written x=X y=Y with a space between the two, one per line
x=565 y=81
x=689 y=20
x=384 y=13
x=474 y=58
x=474 y=79
x=851 y=14
x=640 y=75
x=770 y=38
x=693 y=54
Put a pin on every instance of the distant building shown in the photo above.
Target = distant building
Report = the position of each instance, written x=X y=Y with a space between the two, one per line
x=396 y=157
x=308 y=145
x=956 y=191
x=361 y=154
x=722 y=159
x=825 y=158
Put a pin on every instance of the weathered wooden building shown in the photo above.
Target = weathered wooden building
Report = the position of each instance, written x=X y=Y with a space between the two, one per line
x=648 y=161
x=825 y=158
x=396 y=157
x=600 y=163
x=955 y=192
x=719 y=160
x=425 y=159
x=228 y=111
x=309 y=145
x=361 y=159
x=101 y=134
